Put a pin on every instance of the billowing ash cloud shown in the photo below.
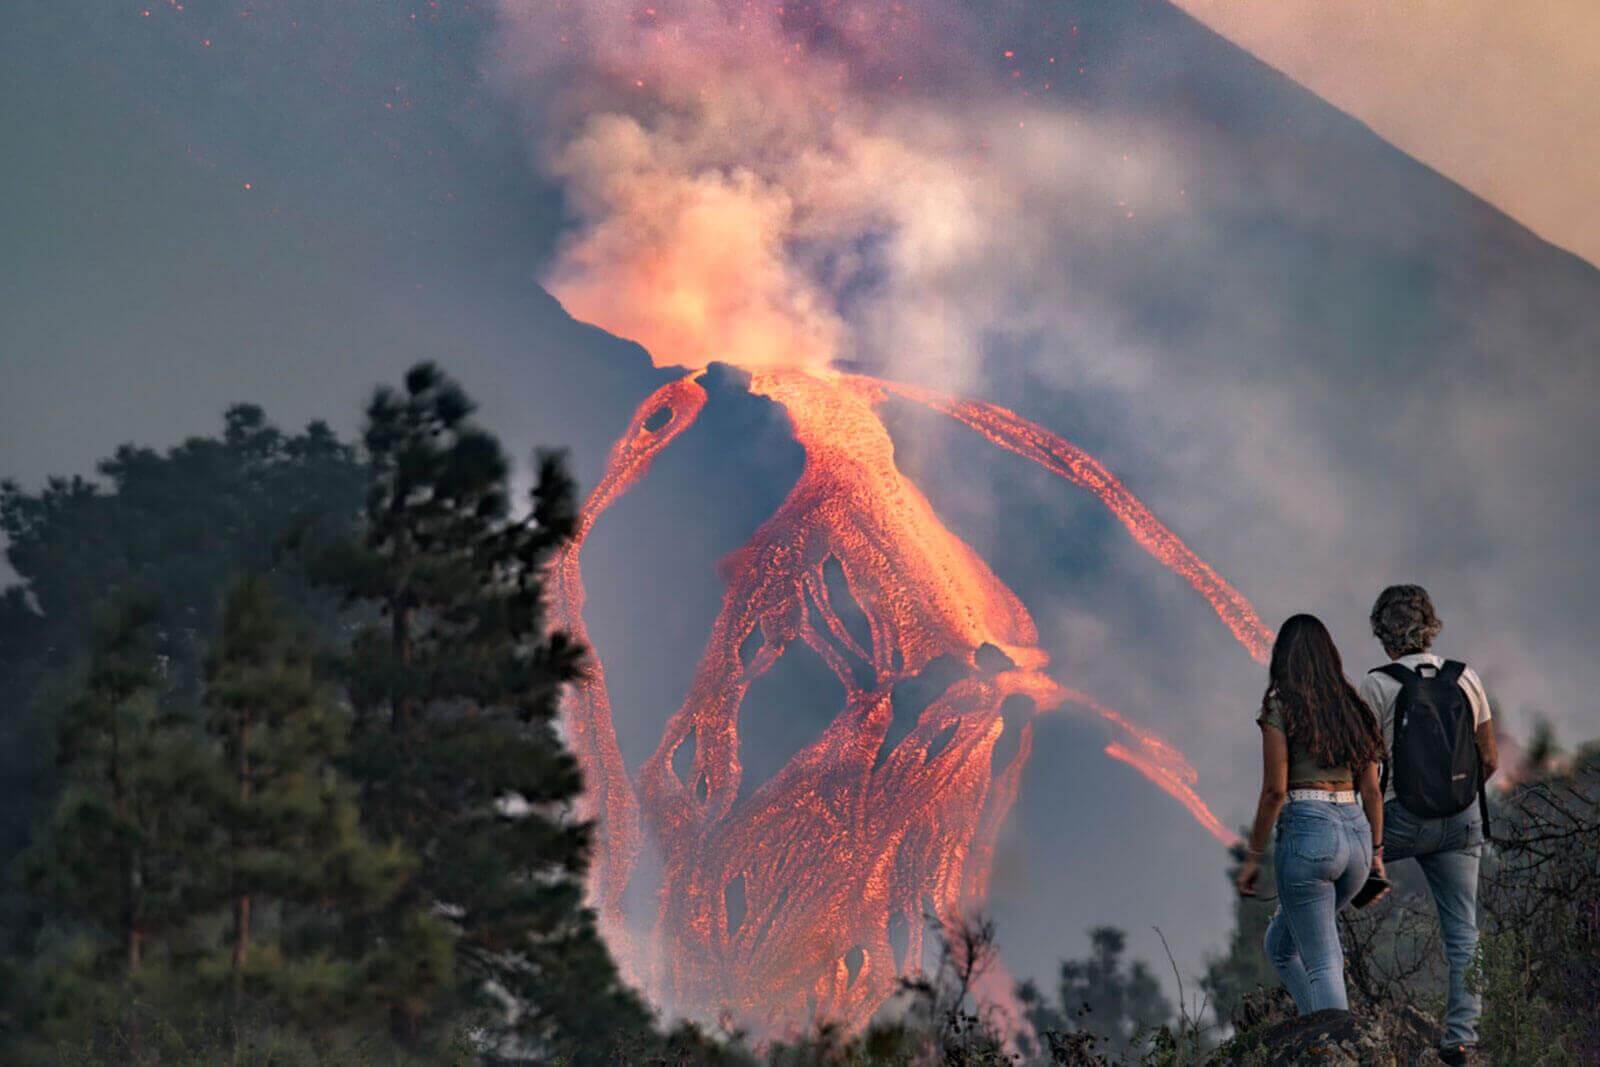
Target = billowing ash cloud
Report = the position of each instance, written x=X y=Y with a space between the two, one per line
x=801 y=184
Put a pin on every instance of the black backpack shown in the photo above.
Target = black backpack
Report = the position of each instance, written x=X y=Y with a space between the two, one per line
x=1434 y=757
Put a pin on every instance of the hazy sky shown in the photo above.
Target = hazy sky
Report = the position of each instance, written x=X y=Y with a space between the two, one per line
x=1503 y=98
x=1324 y=365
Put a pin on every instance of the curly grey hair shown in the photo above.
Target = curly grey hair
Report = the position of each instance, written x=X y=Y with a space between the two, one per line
x=1403 y=620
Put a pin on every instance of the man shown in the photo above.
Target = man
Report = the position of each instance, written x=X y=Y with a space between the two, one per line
x=1434 y=781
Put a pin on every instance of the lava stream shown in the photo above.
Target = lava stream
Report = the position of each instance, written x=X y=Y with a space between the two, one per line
x=1016 y=434
x=609 y=797
x=804 y=895
x=1158 y=760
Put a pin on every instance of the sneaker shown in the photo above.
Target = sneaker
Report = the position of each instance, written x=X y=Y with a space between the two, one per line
x=1458 y=1054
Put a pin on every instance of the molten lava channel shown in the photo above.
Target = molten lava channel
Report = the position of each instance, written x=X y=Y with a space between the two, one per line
x=806 y=895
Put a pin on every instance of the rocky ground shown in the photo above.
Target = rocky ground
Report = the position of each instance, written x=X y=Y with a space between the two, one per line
x=1269 y=1034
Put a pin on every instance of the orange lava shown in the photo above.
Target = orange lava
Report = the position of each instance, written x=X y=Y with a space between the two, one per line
x=1158 y=760
x=610 y=798
x=785 y=901
x=1162 y=775
x=1015 y=434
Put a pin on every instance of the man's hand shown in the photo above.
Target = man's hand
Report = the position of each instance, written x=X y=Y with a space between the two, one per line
x=1249 y=874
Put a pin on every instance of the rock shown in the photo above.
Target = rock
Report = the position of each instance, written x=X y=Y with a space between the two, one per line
x=1334 y=1038
x=1268 y=1034
x=1262 y=1007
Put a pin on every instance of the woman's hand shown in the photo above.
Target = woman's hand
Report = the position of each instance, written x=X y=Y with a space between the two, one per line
x=1249 y=874
x=1274 y=791
x=1379 y=872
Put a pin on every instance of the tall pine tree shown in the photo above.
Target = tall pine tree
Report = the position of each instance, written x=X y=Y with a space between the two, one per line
x=116 y=859
x=455 y=683
x=115 y=855
x=291 y=846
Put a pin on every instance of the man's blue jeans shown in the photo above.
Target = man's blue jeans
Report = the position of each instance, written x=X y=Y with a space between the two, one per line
x=1323 y=855
x=1447 y=850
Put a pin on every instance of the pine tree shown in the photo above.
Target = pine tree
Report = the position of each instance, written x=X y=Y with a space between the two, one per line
x=455 y=687
x=1097 y=995
x=115 y=851
x=291 y=838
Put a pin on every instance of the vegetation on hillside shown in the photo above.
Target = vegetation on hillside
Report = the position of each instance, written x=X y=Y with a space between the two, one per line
x=296 y=785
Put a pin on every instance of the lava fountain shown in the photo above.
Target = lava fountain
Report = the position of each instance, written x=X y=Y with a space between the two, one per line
x=786 y=905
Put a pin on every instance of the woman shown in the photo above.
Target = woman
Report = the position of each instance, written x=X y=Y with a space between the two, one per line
x=1318 y=738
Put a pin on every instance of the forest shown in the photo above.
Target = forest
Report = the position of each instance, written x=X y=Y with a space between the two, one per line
x=285 y=784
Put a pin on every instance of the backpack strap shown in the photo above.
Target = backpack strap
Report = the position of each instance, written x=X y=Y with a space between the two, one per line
x=1406 y=677
x=1450 y=671
x=1399 y=672
x=1483 y=804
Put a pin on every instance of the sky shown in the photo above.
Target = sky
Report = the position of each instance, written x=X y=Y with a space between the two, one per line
x=1316 y=354
x=1501 y=99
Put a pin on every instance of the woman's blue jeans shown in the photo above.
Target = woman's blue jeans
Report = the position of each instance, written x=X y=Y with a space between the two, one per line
x=1323 y=856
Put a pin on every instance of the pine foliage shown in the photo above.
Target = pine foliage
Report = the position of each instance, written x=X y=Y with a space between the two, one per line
x=455 y=682
x=292 y=864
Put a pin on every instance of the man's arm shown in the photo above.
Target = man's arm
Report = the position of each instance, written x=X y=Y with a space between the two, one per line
x=1488 y=753
x=1478 y=697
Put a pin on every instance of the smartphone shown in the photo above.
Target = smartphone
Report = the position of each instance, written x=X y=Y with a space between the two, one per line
x=1372 y=890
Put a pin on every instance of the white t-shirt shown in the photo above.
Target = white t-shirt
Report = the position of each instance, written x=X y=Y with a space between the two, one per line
x=1379 y=691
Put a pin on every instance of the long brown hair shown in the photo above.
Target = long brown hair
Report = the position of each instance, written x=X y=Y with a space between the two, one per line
x=1322 y=712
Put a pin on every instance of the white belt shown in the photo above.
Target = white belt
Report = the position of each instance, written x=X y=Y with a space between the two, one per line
x=1343 y=796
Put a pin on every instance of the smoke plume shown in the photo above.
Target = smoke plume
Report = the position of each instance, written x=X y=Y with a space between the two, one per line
x=801 y=185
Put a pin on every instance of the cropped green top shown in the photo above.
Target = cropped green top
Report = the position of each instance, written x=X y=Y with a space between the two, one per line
x=1304 y=769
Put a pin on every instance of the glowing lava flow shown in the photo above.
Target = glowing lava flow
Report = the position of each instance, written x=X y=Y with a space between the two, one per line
x=1015 y=434
x=805 y=894
x=609 y=797
x=1156 y=759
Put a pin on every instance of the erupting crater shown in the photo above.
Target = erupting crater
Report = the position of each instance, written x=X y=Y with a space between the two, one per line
x=804 y=896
